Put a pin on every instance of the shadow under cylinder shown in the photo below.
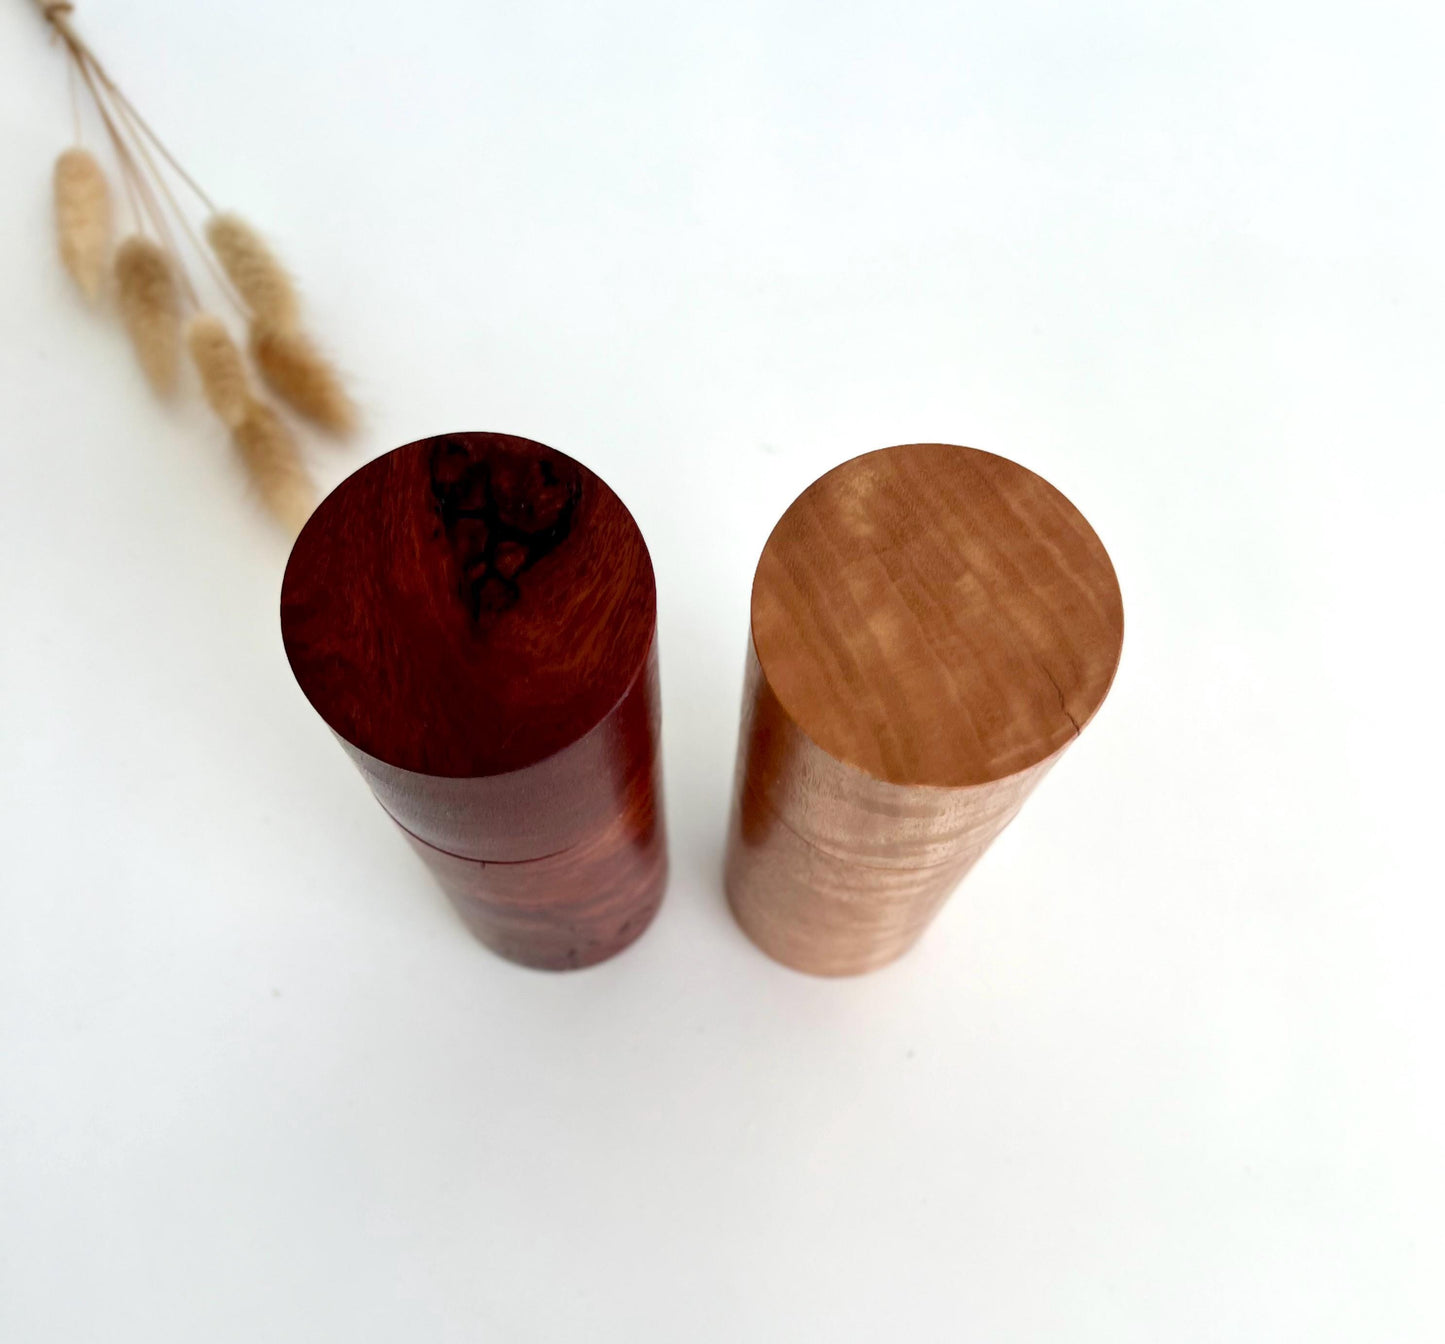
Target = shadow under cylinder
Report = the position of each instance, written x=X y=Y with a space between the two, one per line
x=932 y=626
x=474 y=616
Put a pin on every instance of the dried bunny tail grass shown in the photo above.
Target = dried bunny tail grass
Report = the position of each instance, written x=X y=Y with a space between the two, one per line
x=300 y=375
x=254 y=270
x=292 y=365
x=82 y=218
x=269 y=451
x=150 y=306
x=222 y=368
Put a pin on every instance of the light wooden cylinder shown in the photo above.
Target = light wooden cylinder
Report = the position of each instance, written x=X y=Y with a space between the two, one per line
x=932 y=626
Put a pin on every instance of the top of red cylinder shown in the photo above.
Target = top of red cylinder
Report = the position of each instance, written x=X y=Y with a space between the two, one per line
x=468 y=605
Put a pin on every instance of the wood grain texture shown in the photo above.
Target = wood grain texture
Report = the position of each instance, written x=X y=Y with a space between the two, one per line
x=570 y=909
x=931 y=627
x=474 y=616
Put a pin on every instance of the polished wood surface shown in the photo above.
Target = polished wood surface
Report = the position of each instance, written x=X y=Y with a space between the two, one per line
x=931 y=627
x=936 y=615
x=468 y=605
x=570 y=909
x=541 y=808
x=474 y=616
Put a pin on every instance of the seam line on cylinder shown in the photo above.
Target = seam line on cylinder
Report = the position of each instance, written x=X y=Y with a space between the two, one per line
x=467 y=858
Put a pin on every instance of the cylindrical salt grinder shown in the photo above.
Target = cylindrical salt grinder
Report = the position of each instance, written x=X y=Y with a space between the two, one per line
x=932 y=626
x=475 y=618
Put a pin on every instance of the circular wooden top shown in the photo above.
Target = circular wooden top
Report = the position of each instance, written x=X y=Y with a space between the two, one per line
x=936 y=615
x=468 y=605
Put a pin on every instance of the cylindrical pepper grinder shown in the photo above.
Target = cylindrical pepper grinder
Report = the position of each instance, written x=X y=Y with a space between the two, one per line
x=932 y=626
x=475 y=618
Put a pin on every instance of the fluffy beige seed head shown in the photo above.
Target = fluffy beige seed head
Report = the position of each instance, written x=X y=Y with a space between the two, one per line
x=301 y=376
x=82 y=218
x=254 y=270
x=269 y=451
x=150 y=306
x=223 y=370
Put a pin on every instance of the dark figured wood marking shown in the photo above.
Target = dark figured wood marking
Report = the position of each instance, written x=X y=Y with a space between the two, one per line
x=931 y=627
x=474 y=616
x=502 y=512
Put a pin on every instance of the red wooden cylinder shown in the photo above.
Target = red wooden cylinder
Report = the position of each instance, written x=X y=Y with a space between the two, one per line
x=475 y=618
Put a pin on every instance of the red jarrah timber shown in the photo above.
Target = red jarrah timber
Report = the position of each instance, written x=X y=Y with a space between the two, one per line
x=475 y=618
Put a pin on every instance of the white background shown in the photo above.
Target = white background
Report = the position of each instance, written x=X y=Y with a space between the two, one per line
x=1166 y=1068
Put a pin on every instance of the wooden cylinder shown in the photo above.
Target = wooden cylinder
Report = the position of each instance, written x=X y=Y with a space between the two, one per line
x=475 y=618
x=932 y=626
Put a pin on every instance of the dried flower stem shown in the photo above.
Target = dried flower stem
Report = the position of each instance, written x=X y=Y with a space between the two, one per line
x=153 y=285
x=127 y=168
x=139 y=121
x=290 y=361
x=126 y=113
x=262 y=441
x=223 y=370
x=127 y=132
x=150 y=306
x=82 y=217
x=252 y=267
x=269 y=451
x=154 y=208
x=298 y=373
